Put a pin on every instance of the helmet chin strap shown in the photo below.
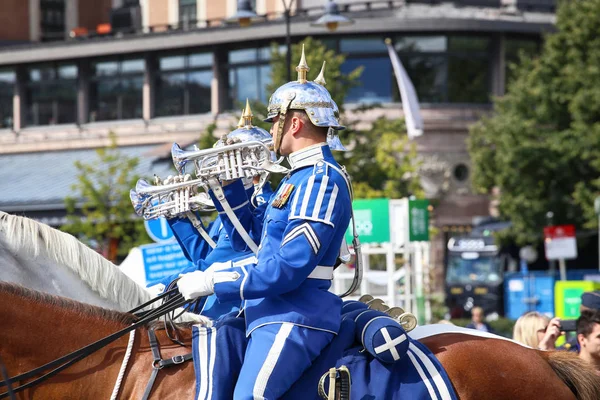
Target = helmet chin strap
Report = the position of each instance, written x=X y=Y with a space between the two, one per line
x=282 y=114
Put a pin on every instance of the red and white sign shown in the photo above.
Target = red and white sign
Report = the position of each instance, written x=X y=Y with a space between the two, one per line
x=560 y=242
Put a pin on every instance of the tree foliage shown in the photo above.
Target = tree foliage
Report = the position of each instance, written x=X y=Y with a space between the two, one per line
x=541 y=147
x=100 y=213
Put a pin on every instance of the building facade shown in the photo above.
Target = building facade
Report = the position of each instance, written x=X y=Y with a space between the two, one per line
x=181 y=67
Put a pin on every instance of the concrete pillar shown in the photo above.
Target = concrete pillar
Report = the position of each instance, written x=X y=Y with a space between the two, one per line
x=83 y=92
x=19 y=100
x=71 y=15
x=220 y=82
x=174 y=12
x=201 y=13
x=148 y=91
x=34 y=20
x=498 y=73
x=145 y=8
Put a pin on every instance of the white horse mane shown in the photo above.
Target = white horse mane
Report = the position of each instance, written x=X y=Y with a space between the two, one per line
x=101 y=275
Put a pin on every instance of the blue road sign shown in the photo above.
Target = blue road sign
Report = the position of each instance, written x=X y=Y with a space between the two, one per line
x=162 y=260
x=159 y=230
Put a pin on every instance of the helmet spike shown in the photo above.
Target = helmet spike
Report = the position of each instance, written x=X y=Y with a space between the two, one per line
x=247 y=116
x=321 y=78
x=302 y=68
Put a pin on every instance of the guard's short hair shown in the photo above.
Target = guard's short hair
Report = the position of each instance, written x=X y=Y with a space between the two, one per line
x=585 y=323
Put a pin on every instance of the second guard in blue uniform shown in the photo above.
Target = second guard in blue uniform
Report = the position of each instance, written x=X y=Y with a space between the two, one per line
x=291 y=315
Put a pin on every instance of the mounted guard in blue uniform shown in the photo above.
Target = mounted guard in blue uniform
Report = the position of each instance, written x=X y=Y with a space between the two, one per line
x=291 y=315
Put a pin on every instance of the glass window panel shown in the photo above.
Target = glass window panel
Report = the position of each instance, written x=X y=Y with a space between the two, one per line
x=362 y=45
x=41 y=73
x=243 y=55
x=428 y=75
x=265 y=79
x=131 y=97
x=170 y=90
x=103 y=100
x=245 y=84
x=106 y=68
x=200 y=60
x=131 y=66
x=187 y=2
x=376 y=80
x=199 y=84
x=51 y=103
x=65 y=101
x=427 y=44
x=7 y=82
x=7 y=77
x=264 y=53
x=67 y=71
x=469 y=43
x=172 y=62
x=468 y=80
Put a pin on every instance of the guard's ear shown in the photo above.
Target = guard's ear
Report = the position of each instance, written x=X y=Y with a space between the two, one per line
x=296 y=124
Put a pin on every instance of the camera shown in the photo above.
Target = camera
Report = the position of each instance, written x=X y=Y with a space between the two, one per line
x=568 y=325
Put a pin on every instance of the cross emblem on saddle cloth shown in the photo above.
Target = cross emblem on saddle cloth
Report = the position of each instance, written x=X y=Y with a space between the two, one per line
x=390 y=344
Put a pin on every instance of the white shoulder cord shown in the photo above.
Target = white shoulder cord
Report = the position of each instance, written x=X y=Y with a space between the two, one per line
x=218 y=191
x=115 y=391
x=194 y=220
x=358 y=272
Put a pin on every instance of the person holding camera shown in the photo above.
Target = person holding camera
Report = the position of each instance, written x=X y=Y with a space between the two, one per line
x=537 y=330
x=590 y=301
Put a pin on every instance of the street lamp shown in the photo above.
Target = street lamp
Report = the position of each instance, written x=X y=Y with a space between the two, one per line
x=332 y=18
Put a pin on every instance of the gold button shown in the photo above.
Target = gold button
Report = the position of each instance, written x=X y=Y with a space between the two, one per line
x=316 y=120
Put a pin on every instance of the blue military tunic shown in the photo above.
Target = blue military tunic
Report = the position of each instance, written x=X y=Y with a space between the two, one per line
x=202 y=255
x=304 y=225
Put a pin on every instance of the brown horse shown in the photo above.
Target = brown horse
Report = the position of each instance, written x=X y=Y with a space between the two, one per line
x=38 y=328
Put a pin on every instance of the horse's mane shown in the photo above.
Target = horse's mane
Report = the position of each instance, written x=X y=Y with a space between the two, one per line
x=67 y=304
x=24 y=234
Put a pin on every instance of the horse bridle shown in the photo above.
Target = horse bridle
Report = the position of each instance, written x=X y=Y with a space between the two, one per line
x=174 y=302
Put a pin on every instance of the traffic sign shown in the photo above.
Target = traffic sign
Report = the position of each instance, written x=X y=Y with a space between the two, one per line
x=162 y=260
x=560 y=242
x=159 y=230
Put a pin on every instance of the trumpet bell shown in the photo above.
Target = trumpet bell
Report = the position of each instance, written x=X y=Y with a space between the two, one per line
x=138 y=206
x=142 y=187
x=178 y=160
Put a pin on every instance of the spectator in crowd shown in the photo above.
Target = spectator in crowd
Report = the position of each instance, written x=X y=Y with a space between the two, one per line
x=477 y=321
x=537 y=331
x=588 y=337
x=589 y=301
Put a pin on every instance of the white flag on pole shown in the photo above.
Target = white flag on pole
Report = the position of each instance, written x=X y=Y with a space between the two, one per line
x=408 y=96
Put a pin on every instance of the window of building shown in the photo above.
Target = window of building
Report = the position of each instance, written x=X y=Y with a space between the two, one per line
x=513 y=49
x=443 y=69
x=52 y=19
x=249 y=74
x=51 y=95
x=7 y=84
x=183 y=84
x=116 y=89
x=187 y=11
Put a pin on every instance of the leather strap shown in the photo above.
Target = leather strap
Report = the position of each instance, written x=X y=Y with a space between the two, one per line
x=220 y=195
x=158 y=363
x=198 y=225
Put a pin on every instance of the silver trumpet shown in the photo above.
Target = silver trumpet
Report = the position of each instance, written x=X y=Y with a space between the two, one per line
x=174 y=197
x=228 y=162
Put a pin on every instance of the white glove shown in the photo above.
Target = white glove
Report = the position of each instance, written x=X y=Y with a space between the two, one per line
x=195 y=284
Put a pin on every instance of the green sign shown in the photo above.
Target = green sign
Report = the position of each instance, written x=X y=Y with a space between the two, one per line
x=418 y=220
x=372 y=219
x=572 y=301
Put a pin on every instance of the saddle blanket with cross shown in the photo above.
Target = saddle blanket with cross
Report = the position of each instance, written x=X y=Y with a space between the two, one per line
x=384 y=361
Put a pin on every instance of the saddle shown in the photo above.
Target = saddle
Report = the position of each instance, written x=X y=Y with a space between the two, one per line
x=372 y=355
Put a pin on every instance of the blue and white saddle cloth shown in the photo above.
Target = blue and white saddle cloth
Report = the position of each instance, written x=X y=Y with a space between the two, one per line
x=384 y=362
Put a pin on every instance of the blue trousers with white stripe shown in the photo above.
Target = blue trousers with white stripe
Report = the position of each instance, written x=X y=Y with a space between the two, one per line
x=276 y=357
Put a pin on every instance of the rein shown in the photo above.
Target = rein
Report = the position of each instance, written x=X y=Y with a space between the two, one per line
x=71 y=358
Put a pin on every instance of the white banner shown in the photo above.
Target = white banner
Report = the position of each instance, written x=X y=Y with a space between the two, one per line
x=408 y=96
